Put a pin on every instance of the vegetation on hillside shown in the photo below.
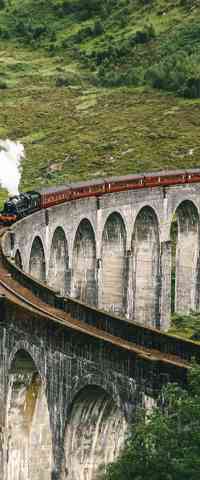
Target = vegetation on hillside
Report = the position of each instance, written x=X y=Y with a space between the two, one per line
x=120 y=42
x=60 y=64
x=164 y=444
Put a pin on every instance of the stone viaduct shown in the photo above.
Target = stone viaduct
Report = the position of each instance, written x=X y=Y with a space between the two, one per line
x=66 y=397
x=116 y=252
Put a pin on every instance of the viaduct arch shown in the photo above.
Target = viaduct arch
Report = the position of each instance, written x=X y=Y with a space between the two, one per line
x=59 y=262
x=37 y=264
x=84 y=264
x=186 y=257
x=90 y=445
x=113 y=257
x=146 y=268
x=28 y=439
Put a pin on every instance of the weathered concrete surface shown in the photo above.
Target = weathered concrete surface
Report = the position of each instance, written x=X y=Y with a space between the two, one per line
x=116 y=253
x=84 y=275
x=59 y=262
x=66 y=398
x=37 y=265
x=146 y=268
x=187 y=253
x=29 y=443
x=95 y=433
x=113 y=265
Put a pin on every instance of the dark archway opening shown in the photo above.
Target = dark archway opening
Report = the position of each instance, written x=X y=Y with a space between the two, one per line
x=146 y=268
x=84 y=276
x=18 y=260
x=37 y=266
x=114 y=281
x=58 y=277
x=173 y=236
x=185 y=259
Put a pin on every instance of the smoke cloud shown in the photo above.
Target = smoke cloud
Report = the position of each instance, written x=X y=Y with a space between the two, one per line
x=11 y=154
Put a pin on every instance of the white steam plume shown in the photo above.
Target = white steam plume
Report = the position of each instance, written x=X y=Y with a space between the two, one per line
x=11 y=154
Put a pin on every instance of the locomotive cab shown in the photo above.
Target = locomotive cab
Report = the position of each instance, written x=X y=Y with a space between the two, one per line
x=16 y=205
x=10 y=207
x=8 y=215
x=7 y=209
x=19 y=206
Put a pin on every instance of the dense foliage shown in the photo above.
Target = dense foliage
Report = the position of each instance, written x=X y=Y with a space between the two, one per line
x=166 y=444
x=121 y=42
x=60 y=64
x=186 y=325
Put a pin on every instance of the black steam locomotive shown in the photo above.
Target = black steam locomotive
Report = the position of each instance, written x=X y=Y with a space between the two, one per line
x=19 y=206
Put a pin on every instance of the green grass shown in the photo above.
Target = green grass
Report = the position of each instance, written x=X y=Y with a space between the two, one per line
x=82 y=131
x=56 y=103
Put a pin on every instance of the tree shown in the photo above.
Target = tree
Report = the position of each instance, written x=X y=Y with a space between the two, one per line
x=166 y=444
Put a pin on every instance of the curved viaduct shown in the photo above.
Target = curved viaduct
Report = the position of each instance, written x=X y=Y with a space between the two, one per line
x=69 y=390
x=116 y=252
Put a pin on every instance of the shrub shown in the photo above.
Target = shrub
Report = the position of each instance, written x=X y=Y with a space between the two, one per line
x=98 y=28
x=3 y=84
x=113 y=77
x=82 y=34
x=144 y=36
x=62 y=82
x=31 y=32
x=191 y=88
x=66 y=79
x=4 y=33
x=163 y=444
x=83 y=9
x=178 y=74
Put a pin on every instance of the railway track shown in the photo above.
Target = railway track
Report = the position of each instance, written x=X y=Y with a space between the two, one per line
x=23 y=297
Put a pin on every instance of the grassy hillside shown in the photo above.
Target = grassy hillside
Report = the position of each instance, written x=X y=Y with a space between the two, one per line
x=96 y=88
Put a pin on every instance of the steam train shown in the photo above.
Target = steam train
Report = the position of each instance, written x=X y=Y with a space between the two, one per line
x=26 y=203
